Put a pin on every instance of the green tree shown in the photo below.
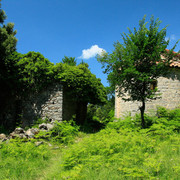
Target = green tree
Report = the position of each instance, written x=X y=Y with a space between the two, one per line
x=34 y=72
x=69 y=60
x=7 y=44
x=7 y=47
x=137 y=62
x=81 y=85
x=24 y=74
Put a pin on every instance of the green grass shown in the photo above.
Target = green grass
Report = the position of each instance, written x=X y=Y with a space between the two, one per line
x=123 y=154
x=22 y=160
x=120 y=151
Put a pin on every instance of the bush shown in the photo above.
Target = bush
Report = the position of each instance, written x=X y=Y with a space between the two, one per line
x=65 y=131
x=62 y=132
x=127 y=123
x=170 y=118
x=99 y=116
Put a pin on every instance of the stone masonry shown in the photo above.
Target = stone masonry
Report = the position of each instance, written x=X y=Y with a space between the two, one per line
x=47 y=104
x=169 y=87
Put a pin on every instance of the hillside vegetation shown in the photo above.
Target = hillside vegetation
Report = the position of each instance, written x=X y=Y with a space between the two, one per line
x=121 y=150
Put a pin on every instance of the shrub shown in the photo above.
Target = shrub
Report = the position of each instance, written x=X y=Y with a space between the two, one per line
x=99 y=116
x=62 y=132
x=170 y=118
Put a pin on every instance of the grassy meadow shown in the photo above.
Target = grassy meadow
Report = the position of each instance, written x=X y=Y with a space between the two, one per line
x=122 y=150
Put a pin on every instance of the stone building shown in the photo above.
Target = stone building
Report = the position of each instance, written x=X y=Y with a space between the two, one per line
x=53 y=103
x=169 y=88
x=47 y=104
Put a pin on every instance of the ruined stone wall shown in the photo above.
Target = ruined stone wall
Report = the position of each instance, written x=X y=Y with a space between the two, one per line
x=47 y=104
x=169 y=87
x=53 y=103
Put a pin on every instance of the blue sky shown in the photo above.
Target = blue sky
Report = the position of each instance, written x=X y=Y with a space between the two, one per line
x=82 y=28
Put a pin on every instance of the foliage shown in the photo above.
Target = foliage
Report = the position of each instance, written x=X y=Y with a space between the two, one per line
x=22 y=75
x=69 y=60
x=7 y=47
x=62 y=132
x=126 y=123
x=126 y=152
x=137 y=63
x=120 y=151
x=22 y=160
x=100 y=113
x=7 y=40
x=35 y=72
x=170 y=118
x=81 y=84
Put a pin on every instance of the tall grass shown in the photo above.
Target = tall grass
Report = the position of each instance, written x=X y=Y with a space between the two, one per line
x=113 y=154
x=120 y=151
x=22 y=160
x=124 y=151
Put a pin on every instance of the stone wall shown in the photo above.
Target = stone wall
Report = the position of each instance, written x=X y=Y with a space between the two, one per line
x=169 y=87
x=47 y=104
x=53 y=103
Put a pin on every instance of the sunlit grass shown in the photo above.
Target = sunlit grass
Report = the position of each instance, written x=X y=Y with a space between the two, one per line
x=121 y=151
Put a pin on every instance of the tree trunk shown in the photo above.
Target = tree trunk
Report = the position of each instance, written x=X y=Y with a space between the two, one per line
x=142 y=109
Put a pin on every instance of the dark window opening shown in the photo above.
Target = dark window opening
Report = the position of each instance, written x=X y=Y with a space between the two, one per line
x=153 y=85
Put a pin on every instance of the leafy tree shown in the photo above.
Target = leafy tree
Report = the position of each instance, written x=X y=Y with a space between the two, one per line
x=69 y=60
x=34 y=72
x=81 y=85
x=22 y=74
x=137 y=62
x=80 y=82
x=7 y=47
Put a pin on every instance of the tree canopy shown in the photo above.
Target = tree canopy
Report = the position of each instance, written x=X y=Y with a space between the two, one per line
x=24 y=74
x=137 y=62
x=34 y=73
x=7 y=47
x=69 y=60
x=80 y=82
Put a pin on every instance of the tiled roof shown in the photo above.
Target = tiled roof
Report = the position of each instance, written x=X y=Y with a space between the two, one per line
x=175 y=64
x=176 y=61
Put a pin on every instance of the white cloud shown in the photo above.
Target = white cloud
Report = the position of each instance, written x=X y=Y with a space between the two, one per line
x=92 y=52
